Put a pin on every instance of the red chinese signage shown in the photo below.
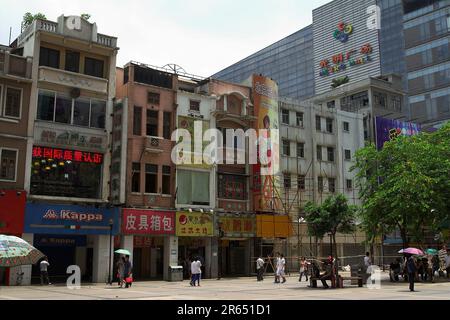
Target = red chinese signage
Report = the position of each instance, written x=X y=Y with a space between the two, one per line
x=67 y=155
x=12 y=211
x=144 y=222
x=340 y=62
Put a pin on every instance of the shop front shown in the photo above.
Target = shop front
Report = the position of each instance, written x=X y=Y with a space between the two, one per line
x=12 y=211
x=237 y=244
x=149 y=230
x=72 y=235
x=195 y=231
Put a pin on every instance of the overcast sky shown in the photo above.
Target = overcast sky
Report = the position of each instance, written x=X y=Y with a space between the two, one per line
x=202 y=36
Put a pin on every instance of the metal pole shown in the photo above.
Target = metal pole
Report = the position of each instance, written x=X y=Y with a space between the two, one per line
x=110 y=249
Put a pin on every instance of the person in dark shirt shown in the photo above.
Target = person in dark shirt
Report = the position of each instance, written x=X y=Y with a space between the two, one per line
x=411 y=268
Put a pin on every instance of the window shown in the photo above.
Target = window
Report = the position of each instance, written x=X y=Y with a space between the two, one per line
x=192 y=187
x=126 y=75
x=330 y=152
x=329 y=125
x=319 y=153
x=286 y=148
x=232 y=187
x=167 y=125
x=152 y=123
x=81 y=112
x=194 y=105
x=348 y=155
x=300 y=150
x=98 y=112
x=318 y=123
x=93 y=67
x=299 y=118
x=63 y=111
x=49 y=58
x=301 y=182
x=46 y=105
x=287 y=180
x=285 y=116
x=72 y=61
x=137 y=121
x=349 y=184
x=153 y=98
x=380 y=99
x=320 y=184
x=13 y=102
x=331 y=104
x=151 y=178
x=332 y=185
x=8 y=162
x=166 y=179
x=58 y=108
x=66 y=173
x=346 y=126
x=136 y=177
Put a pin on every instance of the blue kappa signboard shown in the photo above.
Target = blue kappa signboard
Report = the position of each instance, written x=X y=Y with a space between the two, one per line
x=68 y=219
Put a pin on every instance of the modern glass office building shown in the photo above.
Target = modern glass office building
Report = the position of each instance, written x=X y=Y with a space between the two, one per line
x=290 y=62
x=413 y=42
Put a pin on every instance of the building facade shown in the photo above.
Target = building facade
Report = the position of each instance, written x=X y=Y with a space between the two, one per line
x=68 y=215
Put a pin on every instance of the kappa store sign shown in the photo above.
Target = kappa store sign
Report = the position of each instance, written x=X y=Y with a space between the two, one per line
x=66 y=219
x=144 y=222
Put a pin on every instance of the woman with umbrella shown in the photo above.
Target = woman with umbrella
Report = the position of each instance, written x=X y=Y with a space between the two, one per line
x=123 y=266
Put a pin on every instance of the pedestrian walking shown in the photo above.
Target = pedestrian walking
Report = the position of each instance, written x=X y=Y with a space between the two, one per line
x=277 y=262
x=44 y=271
x=447 y=263
x=412 y=269
x=260 y=269
x=128 y=272
x=303 y=269
x=196 y=271
x=120 y=271
x=281 y=268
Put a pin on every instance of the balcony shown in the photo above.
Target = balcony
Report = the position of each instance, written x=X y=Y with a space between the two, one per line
x=14 y=66
x=157 y=145
x=72 y=79
x=86 y=32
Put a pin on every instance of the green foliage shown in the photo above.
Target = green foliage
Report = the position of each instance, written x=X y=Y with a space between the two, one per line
x=28 y=19
x=339 y=82
x=85 y=16
x=406 y=185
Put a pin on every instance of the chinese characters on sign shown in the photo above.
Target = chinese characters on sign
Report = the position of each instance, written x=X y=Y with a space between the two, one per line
x=238 y=227
x=340 y=62
x=67 y=155
x=194 y=224
x=148 y=222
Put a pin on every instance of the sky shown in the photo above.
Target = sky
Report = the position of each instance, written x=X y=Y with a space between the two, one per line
x=202 y=36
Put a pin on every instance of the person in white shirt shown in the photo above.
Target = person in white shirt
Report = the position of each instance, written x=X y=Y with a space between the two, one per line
x=281 y=264
x=196 y=271
x=277 y=264
x=260 y=269
x=44 y=271
x=367 y=261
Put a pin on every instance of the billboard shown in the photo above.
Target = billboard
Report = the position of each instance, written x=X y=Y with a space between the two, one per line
x=145 y=222
x=388 y=129
x=266 y=186
x=194 y=224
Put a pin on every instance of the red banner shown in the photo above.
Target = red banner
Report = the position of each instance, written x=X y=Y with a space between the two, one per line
x=12 y=211
x=145 y=222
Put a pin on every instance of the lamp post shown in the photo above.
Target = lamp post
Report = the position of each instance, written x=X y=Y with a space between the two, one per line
x=111 y=224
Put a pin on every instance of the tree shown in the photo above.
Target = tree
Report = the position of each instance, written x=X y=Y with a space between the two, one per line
x=405 y=186
x=334 y=216
x=85 y=16
x=28 y=19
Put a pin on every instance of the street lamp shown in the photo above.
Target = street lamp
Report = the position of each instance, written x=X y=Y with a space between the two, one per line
x=111 y=224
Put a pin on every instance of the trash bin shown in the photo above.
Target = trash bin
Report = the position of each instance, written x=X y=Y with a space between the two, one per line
x=175 y=273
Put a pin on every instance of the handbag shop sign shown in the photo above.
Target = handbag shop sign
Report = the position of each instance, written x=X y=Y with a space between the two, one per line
x=67 y=219
x=144 y=222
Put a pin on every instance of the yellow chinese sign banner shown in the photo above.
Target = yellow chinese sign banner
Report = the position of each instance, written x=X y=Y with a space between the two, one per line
x=194 y=224
x=273 y=226
x=238 y=227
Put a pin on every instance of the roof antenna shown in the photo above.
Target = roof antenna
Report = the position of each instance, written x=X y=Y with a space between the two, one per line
x=9 y=42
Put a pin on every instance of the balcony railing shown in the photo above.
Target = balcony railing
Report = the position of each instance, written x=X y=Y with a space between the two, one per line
x=52 y=27
x=157 y=145
x=14 y=65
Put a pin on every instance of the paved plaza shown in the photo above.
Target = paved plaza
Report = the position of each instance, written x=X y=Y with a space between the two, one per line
x=230 y=289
